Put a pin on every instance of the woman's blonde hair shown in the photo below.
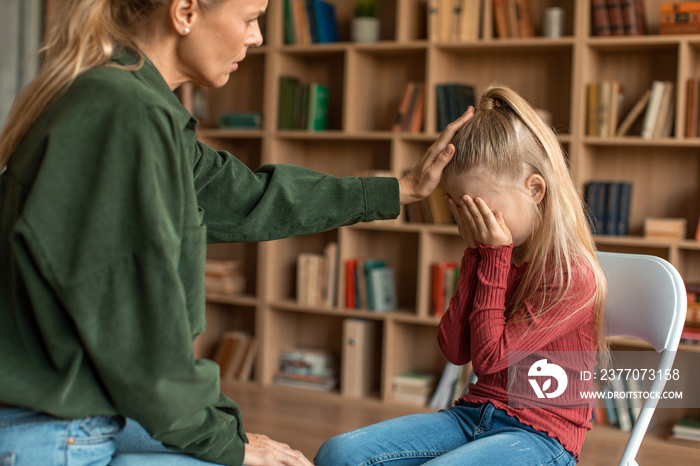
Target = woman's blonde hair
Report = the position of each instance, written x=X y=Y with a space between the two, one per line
x=508 y=140
x=84 y=35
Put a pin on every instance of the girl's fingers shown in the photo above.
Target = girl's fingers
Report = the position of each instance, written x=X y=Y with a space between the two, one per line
x=476 y=219
x=487 y=215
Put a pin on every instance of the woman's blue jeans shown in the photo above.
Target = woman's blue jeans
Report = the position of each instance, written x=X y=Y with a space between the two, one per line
x=29 y=438
x=466 y=434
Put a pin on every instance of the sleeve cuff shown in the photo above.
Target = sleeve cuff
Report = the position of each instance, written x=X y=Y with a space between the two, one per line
x=381 y=198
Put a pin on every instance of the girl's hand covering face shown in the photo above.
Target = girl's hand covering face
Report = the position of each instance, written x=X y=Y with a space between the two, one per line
x=478 y=224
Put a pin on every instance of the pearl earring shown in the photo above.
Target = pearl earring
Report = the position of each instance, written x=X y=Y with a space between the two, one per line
x=187 y=30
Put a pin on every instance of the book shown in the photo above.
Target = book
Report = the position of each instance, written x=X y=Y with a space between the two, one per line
x=612 y=202
x=224 y=277
x=442 y=396
x=470 y=20
x=361 y=347
x=625 y=201
x=662 y=126
x=592 y=127
x=409 y=117
x=383 y=289
x=317 y=109
x=324 y=18
x=595 y=200
x=500 y=15
x=433 y=20
x=524 y=14
x=231 y=352
x=442 y=273
x=240 y=120
x=630 y=17
x=302 y=106
x=691 y=107
x=453 y=99
x=651 y=116
x=688 y=428
x=330 y=253
x=622 y=407
x=615 y=18
x=599 y=18
x=634 y=114
x=664 y=228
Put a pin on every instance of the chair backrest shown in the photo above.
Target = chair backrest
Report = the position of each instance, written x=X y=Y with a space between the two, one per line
x=646 y=300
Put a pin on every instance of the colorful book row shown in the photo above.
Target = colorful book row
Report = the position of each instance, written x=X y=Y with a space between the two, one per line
x=309 y=22
x=302 y=106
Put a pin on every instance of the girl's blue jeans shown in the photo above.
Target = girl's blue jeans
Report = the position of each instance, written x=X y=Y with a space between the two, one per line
x=466 y=434
x=29 y=438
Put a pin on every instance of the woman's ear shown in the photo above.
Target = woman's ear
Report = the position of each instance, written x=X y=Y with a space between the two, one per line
x=182 y=15
x=537 y=187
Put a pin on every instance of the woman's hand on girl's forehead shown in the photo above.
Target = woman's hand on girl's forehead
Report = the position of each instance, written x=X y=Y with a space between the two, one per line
x=486 y=227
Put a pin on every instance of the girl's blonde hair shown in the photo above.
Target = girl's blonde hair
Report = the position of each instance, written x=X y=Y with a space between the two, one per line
x=508 y=140
x=84 y=35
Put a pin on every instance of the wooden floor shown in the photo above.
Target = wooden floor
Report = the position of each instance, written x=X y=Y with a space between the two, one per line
x=305 y=419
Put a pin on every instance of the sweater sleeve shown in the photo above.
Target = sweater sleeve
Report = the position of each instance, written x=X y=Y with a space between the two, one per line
x=278 y=201
x=454 y=333
x=493 y=337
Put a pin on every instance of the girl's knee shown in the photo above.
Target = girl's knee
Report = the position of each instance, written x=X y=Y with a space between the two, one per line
x=339 y=451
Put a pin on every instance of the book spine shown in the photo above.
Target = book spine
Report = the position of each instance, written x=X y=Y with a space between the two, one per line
x=599 y=18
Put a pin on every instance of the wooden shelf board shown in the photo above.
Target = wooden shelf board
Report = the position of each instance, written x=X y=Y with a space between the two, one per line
x=238 y=300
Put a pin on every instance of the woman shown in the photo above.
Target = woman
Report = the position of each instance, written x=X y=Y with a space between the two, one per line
x=107 y=203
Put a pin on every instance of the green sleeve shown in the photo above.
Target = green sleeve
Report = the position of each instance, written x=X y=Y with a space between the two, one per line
x=278 y=201
x=112 y=224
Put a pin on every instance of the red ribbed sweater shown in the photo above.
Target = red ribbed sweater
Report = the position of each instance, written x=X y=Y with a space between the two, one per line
x=474 y=328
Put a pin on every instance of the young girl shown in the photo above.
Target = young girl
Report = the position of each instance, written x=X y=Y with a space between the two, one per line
x=530 y=294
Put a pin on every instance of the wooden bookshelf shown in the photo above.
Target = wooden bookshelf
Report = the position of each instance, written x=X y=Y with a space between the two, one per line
x=366 y=82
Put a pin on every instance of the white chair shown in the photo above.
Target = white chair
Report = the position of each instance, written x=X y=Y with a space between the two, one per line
x=646 y=300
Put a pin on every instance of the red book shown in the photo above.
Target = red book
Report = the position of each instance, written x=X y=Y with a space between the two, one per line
x=350 y=285
x=599 y=18
x=629 y=17
x=617 y=23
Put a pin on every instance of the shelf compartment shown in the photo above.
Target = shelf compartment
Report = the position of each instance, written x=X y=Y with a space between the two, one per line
x=221 y=318
x=287 y=330
x=664 y=180
x=405 y=355
x=543 y=79
x=399 y=251
x=246 y=254
x=377 y=78
x=325 y=66
x=281 y=262
x=437 y=247
x=334 y=156
x=209 y=103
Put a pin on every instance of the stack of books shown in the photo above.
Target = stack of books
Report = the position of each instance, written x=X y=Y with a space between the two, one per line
x=313 y=369
x=513 y=18
x=453 y=99
x=413 y=387
x=235 y=355
x=455 y=20
x=687 y=428
x=309 y=22
x=618 y=17
x=224 y=277
x=369 y=284
x=443 y=285
x=302 y=106
x=409 y=117
x=317 y=277
x=609 y=206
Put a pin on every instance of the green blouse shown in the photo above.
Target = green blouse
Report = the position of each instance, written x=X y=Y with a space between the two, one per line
x=107 y=206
